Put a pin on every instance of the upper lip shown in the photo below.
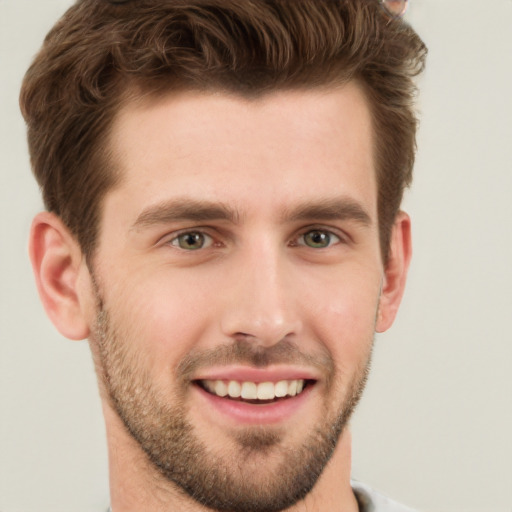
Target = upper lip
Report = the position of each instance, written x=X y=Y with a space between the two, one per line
x=257 y=375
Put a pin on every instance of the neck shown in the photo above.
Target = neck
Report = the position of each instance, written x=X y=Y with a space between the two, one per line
x=136 y=486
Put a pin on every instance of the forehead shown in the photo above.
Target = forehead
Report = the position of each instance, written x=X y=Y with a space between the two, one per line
x=265 y=152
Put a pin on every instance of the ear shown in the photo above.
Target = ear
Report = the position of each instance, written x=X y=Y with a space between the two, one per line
x=395 y=273
x=59 y=268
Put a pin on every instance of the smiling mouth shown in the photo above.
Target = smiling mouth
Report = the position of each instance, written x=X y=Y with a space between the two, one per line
x=255 y=392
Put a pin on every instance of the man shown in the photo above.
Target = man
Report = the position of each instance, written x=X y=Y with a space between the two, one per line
x=223 y=182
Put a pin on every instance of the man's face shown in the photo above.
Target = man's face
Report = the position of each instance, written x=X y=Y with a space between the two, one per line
x=239 y=255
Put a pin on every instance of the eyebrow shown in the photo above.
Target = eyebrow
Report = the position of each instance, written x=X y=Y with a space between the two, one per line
x=204 y=211
x=185 y=209
x=330 y=209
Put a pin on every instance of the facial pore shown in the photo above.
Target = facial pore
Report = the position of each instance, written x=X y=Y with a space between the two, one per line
x=233 y=480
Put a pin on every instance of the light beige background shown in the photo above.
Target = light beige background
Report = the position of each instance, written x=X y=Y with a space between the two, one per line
x=434 y=429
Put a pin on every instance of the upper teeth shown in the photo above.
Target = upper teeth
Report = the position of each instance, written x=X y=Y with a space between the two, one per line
x=253 y=390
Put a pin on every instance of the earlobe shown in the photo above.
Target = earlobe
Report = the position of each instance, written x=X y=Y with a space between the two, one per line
x=395 y=273
x=57 y=264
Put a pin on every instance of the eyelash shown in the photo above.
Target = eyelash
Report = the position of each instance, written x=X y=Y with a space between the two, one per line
x=332 y=239
x=328 y=233
x=176 y=239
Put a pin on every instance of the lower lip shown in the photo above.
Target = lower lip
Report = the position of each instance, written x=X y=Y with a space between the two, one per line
x=255 y=414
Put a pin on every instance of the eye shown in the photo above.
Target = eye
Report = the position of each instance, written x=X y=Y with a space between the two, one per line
x=192 y=241
x=319 y=239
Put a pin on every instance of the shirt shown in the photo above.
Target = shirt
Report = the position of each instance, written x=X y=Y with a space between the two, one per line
x=370 y=500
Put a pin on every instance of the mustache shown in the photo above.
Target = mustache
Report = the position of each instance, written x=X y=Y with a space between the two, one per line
x=249 y=352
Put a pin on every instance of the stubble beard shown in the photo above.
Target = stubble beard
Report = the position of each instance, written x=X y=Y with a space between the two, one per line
x=235 y=480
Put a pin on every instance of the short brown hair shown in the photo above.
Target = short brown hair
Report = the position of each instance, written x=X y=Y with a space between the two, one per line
x=98 y=49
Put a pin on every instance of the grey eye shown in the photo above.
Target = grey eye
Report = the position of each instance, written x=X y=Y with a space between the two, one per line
x=318 y=239
x=191 y=241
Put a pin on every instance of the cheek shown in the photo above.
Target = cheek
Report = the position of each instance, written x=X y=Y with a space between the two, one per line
x=342 y=315
x=159 y=317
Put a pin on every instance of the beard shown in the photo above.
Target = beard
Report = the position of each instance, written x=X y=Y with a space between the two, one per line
x=258 y=470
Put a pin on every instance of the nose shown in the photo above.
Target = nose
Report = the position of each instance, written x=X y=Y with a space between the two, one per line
x=260 y=303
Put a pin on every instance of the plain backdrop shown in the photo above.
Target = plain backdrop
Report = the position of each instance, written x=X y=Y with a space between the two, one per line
x=434 y=428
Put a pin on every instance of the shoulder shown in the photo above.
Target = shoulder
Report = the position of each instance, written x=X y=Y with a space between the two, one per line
x=371 y=501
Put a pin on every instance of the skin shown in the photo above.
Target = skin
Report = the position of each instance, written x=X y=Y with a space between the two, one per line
x=396 y=7
x=273 y=162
